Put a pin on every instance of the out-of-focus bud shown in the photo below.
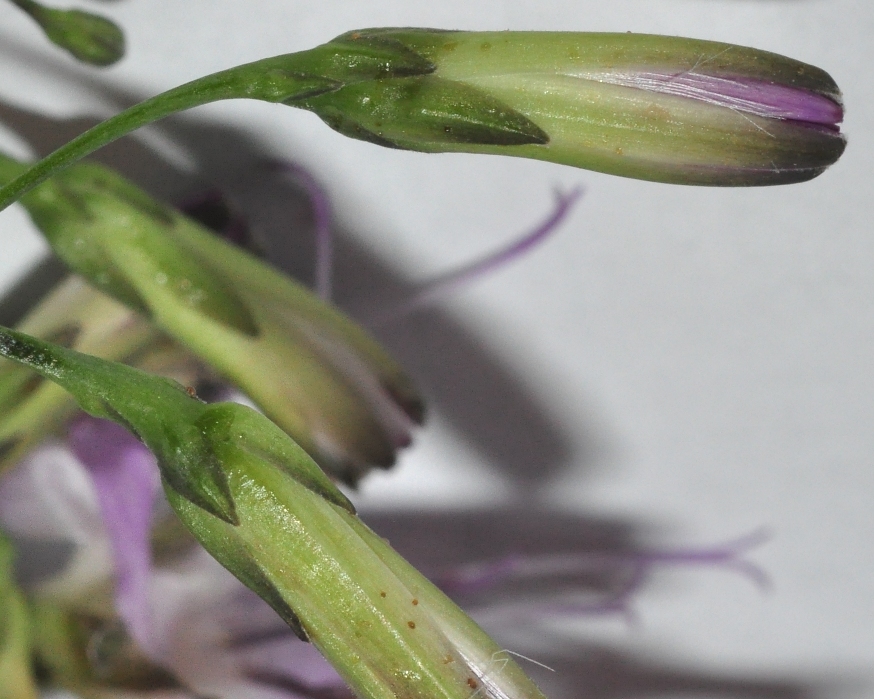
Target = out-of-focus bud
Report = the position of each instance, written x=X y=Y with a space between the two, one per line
x=320 y=376
x=653 y=107
x=88 y=37
x=265 y=510
x=16 y=678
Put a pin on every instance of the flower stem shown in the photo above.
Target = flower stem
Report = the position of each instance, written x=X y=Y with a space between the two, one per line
x=268 y=79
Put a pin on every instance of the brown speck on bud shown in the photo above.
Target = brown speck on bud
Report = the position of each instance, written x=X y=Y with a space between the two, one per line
x=411 y=624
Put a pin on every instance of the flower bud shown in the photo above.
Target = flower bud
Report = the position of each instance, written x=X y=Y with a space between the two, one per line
x=321 y=377
x=265 y=510
x=651 y=107
x=88 y=37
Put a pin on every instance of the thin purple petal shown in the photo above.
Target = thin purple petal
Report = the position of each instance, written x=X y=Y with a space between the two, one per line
x=726 y=555
x=757 y=97
x=321 y=207
x=126 y=480
x=631 y=567
x=458 y=279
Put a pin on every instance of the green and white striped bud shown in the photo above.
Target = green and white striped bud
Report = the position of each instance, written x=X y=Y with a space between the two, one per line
x=319 y=375
x=265 y=510
x=653 y=107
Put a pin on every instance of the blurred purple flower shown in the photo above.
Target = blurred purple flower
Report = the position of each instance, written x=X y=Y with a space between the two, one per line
x=187 y=615
x=127 y=483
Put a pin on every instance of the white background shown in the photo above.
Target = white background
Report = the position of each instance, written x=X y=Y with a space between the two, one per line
x=678 y=365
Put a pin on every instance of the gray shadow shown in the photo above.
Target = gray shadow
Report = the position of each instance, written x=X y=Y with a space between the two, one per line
x=598 y=672
x=439 y=541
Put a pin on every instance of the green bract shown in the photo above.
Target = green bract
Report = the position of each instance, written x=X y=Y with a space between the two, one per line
x=265 y=510
x=653 y=107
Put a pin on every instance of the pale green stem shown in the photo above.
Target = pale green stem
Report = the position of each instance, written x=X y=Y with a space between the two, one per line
x=268 y=80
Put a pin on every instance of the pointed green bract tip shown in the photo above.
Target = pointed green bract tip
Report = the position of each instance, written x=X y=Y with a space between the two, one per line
x=423 y=113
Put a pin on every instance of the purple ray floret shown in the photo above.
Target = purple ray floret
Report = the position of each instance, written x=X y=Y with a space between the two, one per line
x=126 y=480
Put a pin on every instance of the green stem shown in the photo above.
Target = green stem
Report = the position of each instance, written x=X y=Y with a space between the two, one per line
x=270 y=79
x=10 y=168
x=290 y=79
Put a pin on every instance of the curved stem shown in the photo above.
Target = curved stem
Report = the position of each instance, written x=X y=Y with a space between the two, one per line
x=270 y=79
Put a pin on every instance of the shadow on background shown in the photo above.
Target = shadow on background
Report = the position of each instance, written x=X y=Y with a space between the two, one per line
x=439 y=541
x=593 y=671
x=463 y=378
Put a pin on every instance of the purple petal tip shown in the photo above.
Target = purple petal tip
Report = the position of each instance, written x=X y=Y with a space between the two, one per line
x=758 y=97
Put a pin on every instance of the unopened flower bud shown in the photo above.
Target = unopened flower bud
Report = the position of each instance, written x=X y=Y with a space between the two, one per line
x=315 y=372
x=88 y=37
x=651 y=107
x=264 y=509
